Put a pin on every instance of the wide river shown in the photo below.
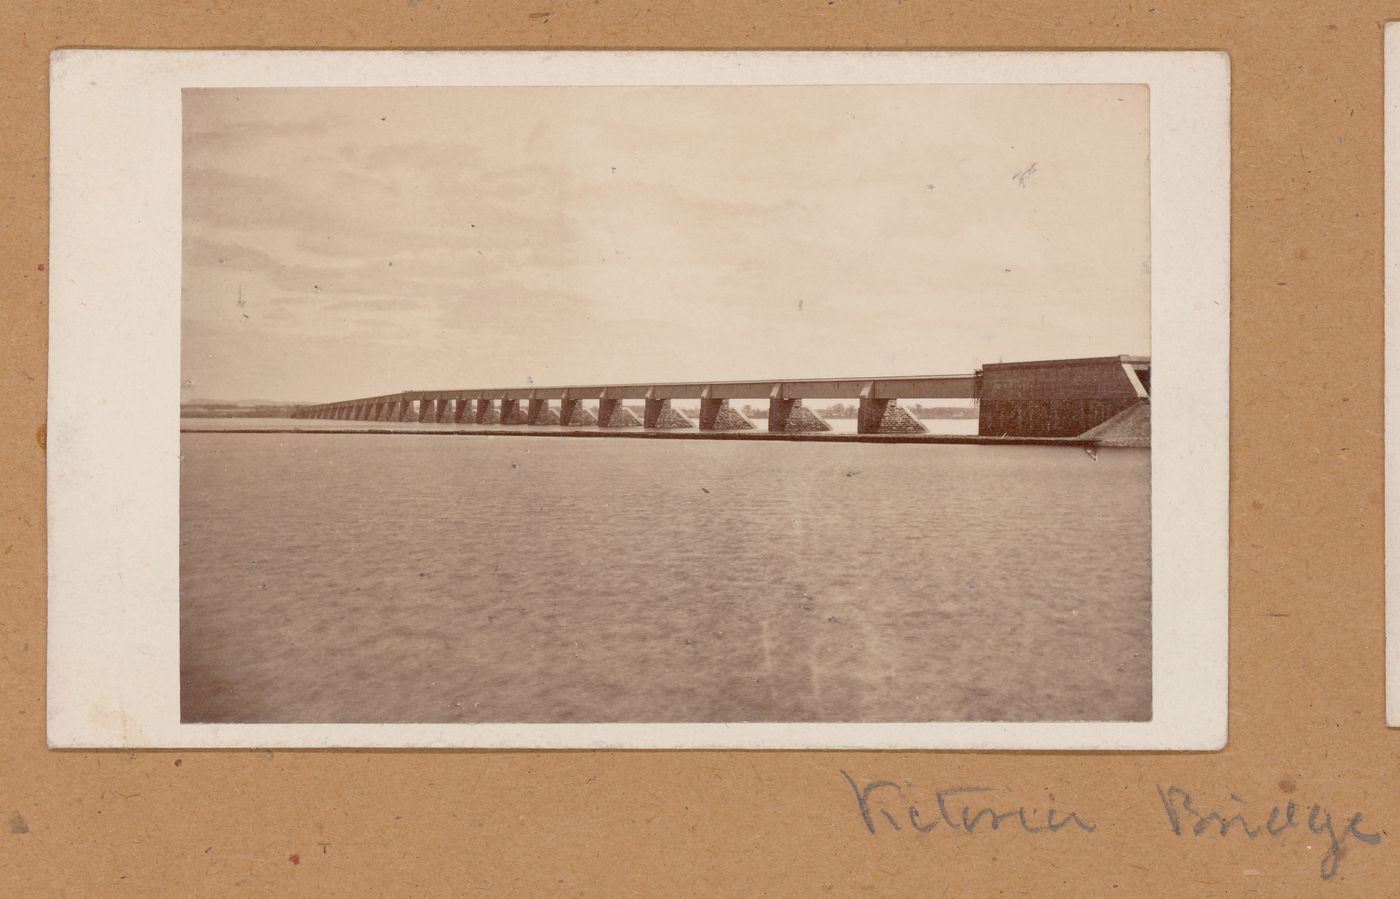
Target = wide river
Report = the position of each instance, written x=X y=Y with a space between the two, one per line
x=368 y=578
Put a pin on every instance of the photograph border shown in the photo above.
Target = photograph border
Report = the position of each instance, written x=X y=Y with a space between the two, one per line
x=114 y=376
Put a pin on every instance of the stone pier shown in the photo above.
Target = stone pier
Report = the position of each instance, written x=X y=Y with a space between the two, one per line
x=1059 y=398
x=463 y=411
x=612 y=414
x=715 y=415
x=659 y=414
x=573 y=414
x=512 y=414
x=788 y=416
x=486 y=413
x=539 y=413
x=880 y=416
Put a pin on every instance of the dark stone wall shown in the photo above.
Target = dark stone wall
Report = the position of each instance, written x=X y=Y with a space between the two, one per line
x=462 y=411
x=1059 y=399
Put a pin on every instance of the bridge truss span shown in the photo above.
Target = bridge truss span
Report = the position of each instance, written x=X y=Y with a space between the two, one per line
x=1064 y=398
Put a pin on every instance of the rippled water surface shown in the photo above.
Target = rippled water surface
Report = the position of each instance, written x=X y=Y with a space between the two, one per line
x=397 y=578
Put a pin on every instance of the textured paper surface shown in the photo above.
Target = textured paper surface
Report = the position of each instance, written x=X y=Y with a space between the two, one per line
x=1306 y=712
x=1392 y=374
x=113 y=442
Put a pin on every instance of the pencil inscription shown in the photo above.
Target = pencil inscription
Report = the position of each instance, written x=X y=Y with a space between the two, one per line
x=963 y=809
x=888 y=806
x=1188 y=814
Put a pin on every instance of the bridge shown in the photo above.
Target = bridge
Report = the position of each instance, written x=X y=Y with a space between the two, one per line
x=1104 y=397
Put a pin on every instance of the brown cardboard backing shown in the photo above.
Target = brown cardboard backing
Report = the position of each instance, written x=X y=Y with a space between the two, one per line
x=1306 y=698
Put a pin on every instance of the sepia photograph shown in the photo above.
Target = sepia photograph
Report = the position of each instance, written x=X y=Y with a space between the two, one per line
x=608 y=408
x=925 y=307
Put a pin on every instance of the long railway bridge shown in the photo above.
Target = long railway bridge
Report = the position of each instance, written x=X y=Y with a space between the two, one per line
x=1104 y=396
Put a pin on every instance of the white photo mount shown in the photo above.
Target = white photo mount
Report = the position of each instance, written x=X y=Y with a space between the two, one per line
x=113 y=430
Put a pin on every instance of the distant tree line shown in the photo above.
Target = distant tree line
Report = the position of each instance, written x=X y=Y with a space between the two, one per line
x=852 y=410
x=236 y=410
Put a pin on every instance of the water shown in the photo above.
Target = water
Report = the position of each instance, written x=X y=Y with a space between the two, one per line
x=358 y=578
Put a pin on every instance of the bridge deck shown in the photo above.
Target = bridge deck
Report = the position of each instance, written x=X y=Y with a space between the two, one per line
x=925 y=387
x=1055 y=398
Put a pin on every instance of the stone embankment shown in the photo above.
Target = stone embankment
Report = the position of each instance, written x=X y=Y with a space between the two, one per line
x=1132 y=427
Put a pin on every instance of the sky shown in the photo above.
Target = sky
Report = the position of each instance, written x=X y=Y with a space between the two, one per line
x=346 y=242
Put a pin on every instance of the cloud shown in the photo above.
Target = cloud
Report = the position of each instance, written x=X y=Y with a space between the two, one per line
x=487 y=234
